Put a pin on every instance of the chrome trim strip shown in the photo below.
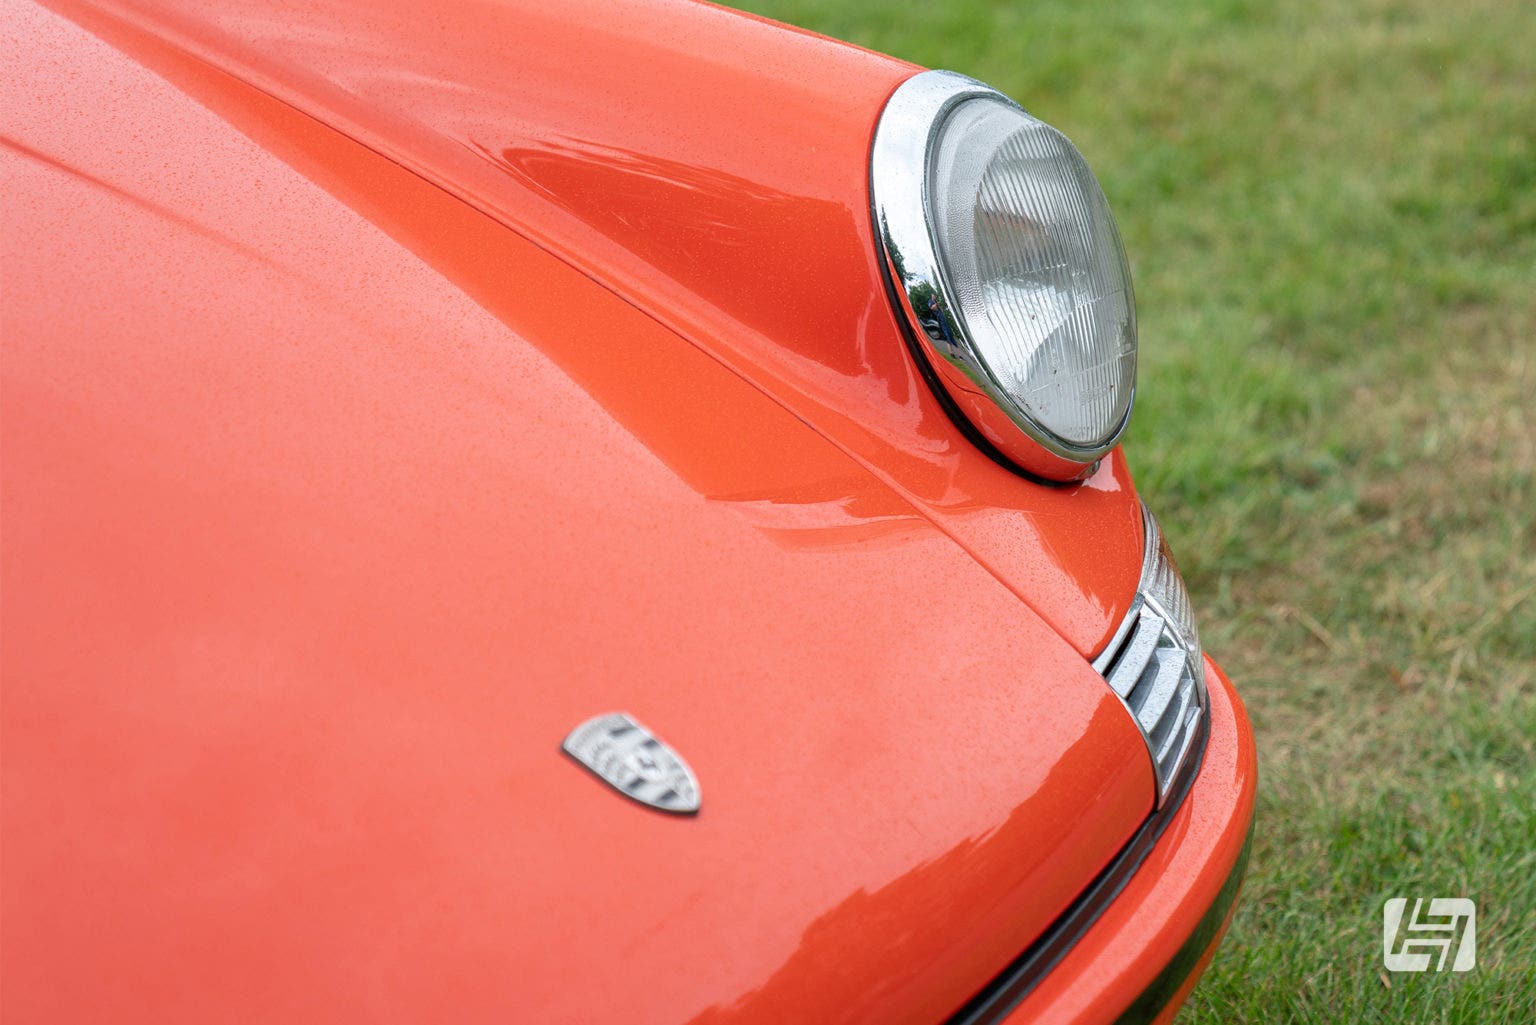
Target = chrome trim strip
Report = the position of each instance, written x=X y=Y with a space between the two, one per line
x=1103 y=660
x=1158 y=677
x=1137 y=654
x=899 y=169
x=1160 y=694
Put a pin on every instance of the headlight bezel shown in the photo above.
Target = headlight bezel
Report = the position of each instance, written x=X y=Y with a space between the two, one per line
x=901 y=166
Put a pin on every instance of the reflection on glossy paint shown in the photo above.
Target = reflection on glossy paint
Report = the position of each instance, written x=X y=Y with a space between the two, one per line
x=857 y=517
x=763 y=256
x=623 y=191
x=790 y=297
x=705 y=228
x=791 y=485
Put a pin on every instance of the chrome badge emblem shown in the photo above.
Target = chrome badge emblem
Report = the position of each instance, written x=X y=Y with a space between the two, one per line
x=632 y=760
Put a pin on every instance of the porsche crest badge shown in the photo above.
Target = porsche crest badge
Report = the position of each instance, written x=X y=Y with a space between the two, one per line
x=634 y=761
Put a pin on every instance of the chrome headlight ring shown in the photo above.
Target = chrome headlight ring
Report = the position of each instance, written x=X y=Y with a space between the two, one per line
x=1009 y=271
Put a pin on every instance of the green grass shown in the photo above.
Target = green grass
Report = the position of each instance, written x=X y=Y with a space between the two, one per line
x=1331 y=213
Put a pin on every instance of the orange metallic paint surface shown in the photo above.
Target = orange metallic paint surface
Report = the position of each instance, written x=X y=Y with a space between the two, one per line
x=710 y=168
x=330 y=505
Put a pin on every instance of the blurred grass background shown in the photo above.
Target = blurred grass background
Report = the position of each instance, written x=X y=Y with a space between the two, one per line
x=1331 y=214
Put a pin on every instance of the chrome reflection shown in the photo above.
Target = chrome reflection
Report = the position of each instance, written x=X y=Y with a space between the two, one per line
x=1155 y=666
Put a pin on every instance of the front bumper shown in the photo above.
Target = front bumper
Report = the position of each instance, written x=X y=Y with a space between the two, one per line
x=1139 y=957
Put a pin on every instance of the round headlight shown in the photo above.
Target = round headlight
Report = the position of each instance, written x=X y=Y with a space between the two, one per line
x=1010 y=271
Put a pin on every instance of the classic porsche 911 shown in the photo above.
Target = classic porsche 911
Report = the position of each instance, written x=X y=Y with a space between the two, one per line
x=603 y=511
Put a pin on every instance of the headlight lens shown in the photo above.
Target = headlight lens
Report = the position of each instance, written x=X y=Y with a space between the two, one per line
x=1010 y=268
x=1036 y=265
